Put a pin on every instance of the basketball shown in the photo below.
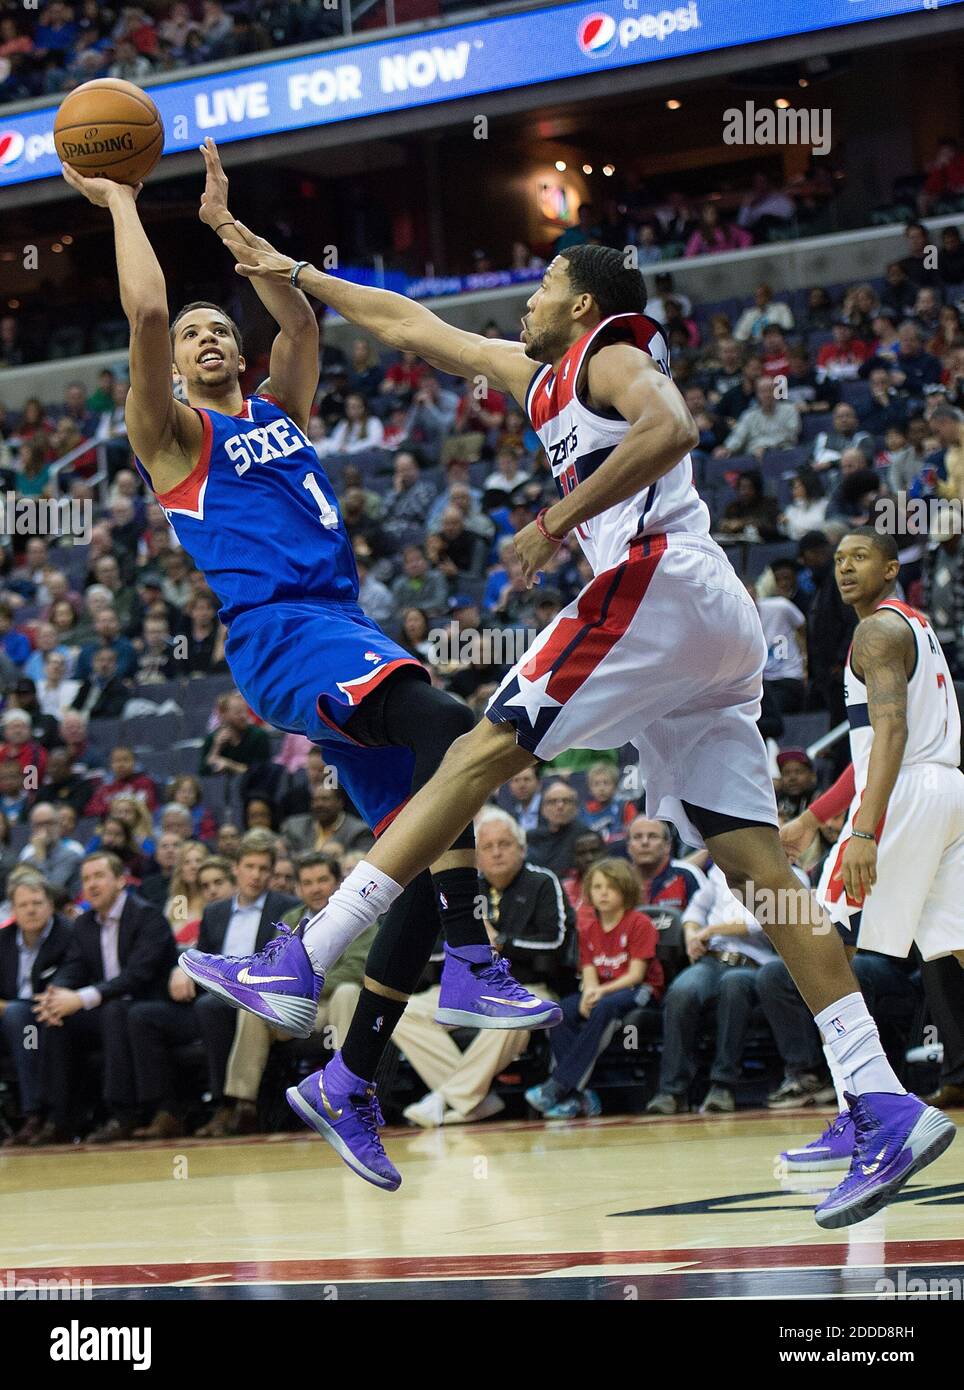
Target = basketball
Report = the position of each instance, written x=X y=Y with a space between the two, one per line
x=109 y=129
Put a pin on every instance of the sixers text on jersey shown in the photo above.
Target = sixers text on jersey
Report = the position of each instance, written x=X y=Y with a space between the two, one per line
x=258 y=514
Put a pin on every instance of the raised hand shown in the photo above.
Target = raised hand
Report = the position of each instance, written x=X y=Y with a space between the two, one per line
x=100 y=192
x=214 y=199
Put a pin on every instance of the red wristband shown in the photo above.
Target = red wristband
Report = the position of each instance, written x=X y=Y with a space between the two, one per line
x=543 y=529
x=837 y=798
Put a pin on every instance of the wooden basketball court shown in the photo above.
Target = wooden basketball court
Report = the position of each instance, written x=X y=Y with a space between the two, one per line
x=628 y=1208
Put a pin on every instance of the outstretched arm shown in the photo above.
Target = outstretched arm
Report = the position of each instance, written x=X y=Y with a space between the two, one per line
x=294 y=354
x=392 y=318
x=163 y=433
x=883 y=653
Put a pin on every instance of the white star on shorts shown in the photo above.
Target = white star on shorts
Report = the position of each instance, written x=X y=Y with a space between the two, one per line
x=534 y=697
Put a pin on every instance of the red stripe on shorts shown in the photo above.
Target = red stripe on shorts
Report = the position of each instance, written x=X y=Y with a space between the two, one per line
x=606 y=608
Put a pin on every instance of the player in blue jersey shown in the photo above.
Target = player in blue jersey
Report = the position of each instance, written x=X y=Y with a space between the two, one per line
x=246 y=495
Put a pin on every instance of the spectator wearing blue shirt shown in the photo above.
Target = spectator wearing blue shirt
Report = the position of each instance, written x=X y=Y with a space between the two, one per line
x=914 y=369
x=57 y=33
x=107 y=628
x=16 y=645
x=885 y=408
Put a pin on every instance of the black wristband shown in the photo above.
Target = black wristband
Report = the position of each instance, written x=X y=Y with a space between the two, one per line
x=863 y=835
x=296 y=270
x=230 y=223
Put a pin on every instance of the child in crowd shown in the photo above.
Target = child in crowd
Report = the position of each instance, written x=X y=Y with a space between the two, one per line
x=617 y=954
x=604 y=811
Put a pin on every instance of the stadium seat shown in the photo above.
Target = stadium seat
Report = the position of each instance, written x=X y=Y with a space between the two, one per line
x=800 y=730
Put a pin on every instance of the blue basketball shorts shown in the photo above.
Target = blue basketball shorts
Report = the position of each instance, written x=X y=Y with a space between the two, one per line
x=305 y=666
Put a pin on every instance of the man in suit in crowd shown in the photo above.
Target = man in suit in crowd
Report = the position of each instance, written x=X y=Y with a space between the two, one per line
x=236 y=925
x=104 y=695
x=32 y=947
x=121 y=950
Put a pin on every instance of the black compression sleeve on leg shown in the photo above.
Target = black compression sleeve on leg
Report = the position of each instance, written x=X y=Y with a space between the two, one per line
x=372 y=1024
x=459 y=900
x=427 y=721
x=397 y=958
x=406 y=938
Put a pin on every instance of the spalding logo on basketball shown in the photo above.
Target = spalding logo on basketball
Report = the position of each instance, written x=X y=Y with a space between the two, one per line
x=597 y=34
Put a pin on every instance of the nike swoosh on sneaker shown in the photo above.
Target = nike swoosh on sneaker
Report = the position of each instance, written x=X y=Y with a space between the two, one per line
x=869 y=1168
x=245 y=979
x=335 y=1114
x=512 y=1003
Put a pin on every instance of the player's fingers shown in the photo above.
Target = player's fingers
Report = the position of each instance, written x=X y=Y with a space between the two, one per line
x=246 y=234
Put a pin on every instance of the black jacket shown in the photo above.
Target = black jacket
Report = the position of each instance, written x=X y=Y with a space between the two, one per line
x=535 y=927
x=215 y=919
x=145 y=948
x=830 y=628
x=109 y=704
x=48 y=960
x=554 y=849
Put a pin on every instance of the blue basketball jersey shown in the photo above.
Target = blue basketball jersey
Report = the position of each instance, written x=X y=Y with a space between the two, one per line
x=258 y=514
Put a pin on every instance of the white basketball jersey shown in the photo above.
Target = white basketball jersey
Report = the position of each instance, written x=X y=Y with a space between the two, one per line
x=578 y=440
x=933 y=718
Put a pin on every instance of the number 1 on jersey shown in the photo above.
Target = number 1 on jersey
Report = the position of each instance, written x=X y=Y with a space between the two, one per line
x=326 y=512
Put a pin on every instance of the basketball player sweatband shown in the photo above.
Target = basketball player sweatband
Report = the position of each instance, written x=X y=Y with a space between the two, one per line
x=296 y=270
x=543 y=529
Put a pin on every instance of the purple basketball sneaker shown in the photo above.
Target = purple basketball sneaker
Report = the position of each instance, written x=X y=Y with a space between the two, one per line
x=895 y=1137
x=279 y=984
x=478 y=992
x=344 y=1110
x=834 y=1148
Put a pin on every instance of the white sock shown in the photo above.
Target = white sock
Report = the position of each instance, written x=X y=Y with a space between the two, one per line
x=836 y=1077
x=364 y=895
x=851 y=1035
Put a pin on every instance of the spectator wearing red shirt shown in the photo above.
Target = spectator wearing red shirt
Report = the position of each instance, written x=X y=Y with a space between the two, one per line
x=483 y=413
x=842 y=359
x=776 y=357
x=403 y=377
x=617 y=955
x=123 y=780
x=945 y=176
x=20 y=746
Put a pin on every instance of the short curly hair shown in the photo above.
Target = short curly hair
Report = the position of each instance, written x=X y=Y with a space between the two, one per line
x=206 y=304
x=602 y=272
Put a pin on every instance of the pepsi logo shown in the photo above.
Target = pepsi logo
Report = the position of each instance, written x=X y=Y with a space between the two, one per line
x=597 y=34
x=11 y=147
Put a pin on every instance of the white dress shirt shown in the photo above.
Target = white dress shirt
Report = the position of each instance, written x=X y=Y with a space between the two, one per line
x=109 y=950
x=714 y=905
x=242 y=932
x=27 y=959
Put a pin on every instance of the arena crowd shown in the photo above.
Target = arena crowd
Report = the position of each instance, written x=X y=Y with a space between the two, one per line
x=143 y=808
